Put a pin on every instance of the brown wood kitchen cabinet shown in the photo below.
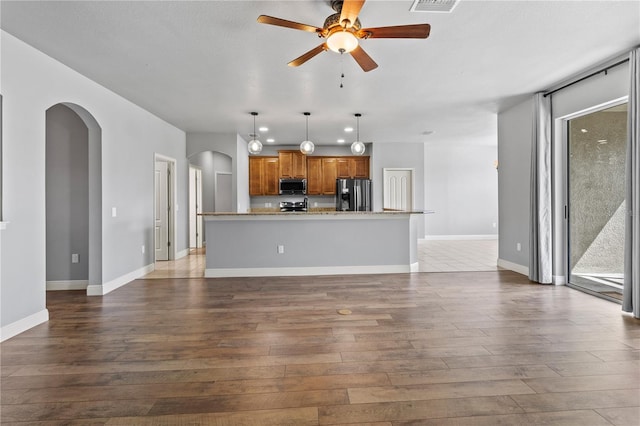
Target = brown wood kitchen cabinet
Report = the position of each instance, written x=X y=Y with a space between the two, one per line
x=329 y=175
x=321 y=175
x=322 y=172
x=314 y=175
x=293 y=164
x=263 y=175
x=353 y=167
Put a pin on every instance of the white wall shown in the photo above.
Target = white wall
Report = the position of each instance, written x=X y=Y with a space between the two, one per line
x=461 y=186
x=31 y=82
x=233 y=146
x=398 y=155
x=514 y=156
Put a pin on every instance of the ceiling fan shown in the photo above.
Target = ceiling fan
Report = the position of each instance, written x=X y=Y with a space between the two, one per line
x=343 y=30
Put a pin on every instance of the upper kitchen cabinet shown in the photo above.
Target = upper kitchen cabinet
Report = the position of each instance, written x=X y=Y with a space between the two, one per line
x=353 y=167
x=263 y=175
x=321 y=175
x=314 y=175
x=293 y=164
x=329 y=175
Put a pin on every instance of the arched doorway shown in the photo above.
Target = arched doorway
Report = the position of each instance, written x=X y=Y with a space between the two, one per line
x=73 y=199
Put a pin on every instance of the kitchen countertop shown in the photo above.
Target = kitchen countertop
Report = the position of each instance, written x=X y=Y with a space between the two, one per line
x=312 y=215
x=316 y=213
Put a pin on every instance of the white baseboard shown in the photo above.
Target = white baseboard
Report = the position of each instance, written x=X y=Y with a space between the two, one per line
x=108 y=287
x=524 y=270
x=15 y=328
x=310 y=270
x=461 y=237
x=182 y=253
x=67 y=285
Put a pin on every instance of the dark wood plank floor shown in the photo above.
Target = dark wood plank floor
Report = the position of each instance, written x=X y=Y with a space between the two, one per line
x=483 y=348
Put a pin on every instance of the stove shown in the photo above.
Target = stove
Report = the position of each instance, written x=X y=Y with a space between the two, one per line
x=293 y=206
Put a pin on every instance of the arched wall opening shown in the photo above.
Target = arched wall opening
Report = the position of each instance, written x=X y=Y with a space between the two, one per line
x=73 y=198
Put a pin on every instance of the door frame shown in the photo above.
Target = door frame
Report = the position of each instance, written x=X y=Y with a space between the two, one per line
x=412 y=170
x=172 y=201
x=195 y=221
x=560 y=186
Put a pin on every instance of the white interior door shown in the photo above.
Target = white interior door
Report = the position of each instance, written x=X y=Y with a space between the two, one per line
x=195 y=207
x=223 y=192
x=161 y=211
x=398 y=189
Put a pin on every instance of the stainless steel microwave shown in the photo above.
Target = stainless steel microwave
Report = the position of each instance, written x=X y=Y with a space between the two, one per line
x=293 y=186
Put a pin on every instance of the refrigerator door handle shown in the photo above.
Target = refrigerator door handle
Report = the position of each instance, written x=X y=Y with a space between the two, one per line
x=356 y=197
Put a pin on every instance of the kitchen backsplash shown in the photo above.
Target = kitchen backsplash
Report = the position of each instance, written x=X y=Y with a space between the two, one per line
x=272 y=203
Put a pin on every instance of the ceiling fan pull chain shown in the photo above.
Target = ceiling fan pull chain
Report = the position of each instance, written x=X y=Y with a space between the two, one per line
x=342 y=69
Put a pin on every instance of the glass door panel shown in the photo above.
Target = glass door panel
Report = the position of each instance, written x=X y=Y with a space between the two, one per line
x=596 y=157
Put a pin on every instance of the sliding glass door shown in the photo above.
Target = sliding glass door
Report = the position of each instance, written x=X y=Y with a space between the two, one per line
x=596 y=164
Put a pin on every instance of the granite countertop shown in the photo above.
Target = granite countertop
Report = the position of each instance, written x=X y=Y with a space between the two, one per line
x=315 y=213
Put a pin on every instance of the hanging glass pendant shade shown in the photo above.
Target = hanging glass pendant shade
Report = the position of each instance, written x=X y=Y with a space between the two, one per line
x=358 y=147
x=254 y=146
x=307 y=147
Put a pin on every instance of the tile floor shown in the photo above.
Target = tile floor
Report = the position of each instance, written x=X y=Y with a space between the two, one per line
x=433 y=256
x=457 y=255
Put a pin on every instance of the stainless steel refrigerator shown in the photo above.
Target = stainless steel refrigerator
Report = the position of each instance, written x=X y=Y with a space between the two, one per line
x=353 y=195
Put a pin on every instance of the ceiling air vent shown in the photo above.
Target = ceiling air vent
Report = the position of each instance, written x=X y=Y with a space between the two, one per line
x=445 y=6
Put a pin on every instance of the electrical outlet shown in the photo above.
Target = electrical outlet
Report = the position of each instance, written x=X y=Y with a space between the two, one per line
x=518 y=246
x=143 y=249
x=75 y=258
x=280 y=249
x=114 y=212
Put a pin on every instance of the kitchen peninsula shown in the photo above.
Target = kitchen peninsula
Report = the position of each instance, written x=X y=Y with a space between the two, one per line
x=310 y=243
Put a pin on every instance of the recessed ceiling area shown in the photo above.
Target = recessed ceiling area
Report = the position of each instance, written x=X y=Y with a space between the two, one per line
x=204 y=65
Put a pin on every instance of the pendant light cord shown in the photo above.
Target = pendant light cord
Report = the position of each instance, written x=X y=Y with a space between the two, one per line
x=307 y=114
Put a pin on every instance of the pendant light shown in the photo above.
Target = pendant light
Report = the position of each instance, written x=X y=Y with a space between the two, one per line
x=307 y=147
x=357 y=148
x=254 y=146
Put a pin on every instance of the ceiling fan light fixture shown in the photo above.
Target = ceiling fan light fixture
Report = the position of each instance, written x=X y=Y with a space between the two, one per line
x=254 y=146
x=307 y=147
x=342 y=41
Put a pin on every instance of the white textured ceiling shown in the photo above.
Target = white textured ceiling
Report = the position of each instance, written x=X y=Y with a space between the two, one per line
x=204 y=65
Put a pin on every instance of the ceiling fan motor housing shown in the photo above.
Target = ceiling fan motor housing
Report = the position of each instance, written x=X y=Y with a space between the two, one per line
x=334 y=20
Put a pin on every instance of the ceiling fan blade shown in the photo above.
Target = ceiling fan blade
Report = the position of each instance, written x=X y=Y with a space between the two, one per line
x=350 y=11
x=400 y=31
x=264 y=19
x=310 y=54
x=363 y=59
